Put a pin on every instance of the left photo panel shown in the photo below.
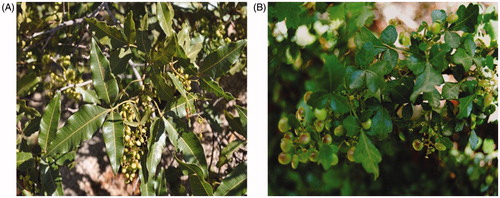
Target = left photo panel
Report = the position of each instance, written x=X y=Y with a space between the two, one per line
x=131 y=99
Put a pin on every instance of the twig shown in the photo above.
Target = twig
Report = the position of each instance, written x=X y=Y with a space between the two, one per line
x=66 y=24
x=115 y=21
x=137 y=75
x=131 y=63
x=76 y=85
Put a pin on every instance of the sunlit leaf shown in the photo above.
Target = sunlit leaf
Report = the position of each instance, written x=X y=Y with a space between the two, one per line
x=49 y=122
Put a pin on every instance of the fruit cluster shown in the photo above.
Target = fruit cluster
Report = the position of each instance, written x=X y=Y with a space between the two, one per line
x=303 y=143
x=134 y=141
x=184 y=78
x=69 y=77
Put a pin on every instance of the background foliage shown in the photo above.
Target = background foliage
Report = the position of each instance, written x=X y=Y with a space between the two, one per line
x=143 y=77
x=326 y=56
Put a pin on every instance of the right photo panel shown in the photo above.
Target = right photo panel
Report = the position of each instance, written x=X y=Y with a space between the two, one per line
x=382 y=98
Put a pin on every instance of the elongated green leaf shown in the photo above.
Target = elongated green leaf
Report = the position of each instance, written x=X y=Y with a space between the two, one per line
x=179 y=106
x=165 y=16
x=426 y=81
x=188 y=144
x=51 y=181
x=23 y=107
x=118 y=60
x=104 y=82
x=200 y=187
x=465 y=106
x=102 y=30
x=165 y=91
x=22 y=157
x=235 y=123
x=79 y=127
x=227 y=152
x=49 y=122
x=219 y=62
x=27 y=84
x=158 y=143
x=113 y=138
x=33 y=126
x=129 y=28
x=192 y=169
x=88 y=95
x=215 y=88
x=467 y=18
x=143 y=42
x=242 y=114
x=147 y=185
x=177 y=83
x=368 y=155
x=235 y=180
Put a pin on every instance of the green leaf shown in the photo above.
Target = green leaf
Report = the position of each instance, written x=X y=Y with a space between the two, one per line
x=25 y=108
x=242 y=114
x=446 y=142
x=192 y=168
x=433 y=98
x=465 y=106
x=462 y=58
x=188 y=144
x=104 y=82
x=33 y=126
x=368 y=155
x=129 y=27
x=215 y=88
x=178 y=85
x=102 y=30
x=179 y=106
x=143 y=42
x=88 y=95
x=391 y=57
x=426 y=81
x=200 y=187
x=470 y=46
x=333 y=73
x=318 y=99
x=146 y=186
x=451 y=90
x=336 y=12
x=113 y=138
x=365 y=56
x=118 y=60
x=51 y=181
x=438 y=15
x=79 y=127
x=438 y=56
x=325 y=155
x=227 y=152
x=467 y=18
x=22 y=157
x=473 y=140
x=157 y=143
x=488 y=146
x=165 y=17
x=339 y=104
x=235 y=123
x=232 y=184
x=356 y=79
x=27 y=84
x=389 y=35
x=164 y=90
x=49 y=122
x=219 y=62
x=351 y=124
x=382 y=123
x=366 y=36
x=452 y=39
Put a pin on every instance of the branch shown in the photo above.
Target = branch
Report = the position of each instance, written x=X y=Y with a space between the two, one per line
x=66 y=24
x=76 y=85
